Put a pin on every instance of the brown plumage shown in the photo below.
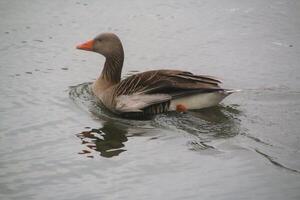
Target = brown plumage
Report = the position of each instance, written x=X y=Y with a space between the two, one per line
x=150 y=92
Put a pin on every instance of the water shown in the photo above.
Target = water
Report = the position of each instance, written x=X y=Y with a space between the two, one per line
x=56 y=145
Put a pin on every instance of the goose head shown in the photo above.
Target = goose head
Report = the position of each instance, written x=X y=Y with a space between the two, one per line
x=106 y=44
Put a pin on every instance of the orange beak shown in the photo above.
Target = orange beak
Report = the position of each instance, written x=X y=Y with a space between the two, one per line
x=88 y=46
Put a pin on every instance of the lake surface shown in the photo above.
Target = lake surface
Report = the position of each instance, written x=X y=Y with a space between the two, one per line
x=56 y=143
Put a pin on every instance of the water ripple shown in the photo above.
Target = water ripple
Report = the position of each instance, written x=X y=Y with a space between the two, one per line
x=274 y=162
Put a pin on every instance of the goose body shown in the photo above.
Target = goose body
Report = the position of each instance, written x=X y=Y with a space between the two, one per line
x=150 y=92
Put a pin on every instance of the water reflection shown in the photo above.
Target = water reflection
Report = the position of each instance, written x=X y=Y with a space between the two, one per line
x=216 y=122
x=108 y=140
x=205 y=125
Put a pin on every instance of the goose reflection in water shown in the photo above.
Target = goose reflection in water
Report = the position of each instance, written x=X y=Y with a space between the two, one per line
x=219 y=122
x=108 y=140
x=205 y=125
x=202 y=126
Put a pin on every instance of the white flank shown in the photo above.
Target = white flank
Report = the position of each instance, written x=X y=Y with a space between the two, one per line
x=202 y=100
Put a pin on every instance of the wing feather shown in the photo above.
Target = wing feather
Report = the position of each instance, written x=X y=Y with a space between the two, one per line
x=137 y=102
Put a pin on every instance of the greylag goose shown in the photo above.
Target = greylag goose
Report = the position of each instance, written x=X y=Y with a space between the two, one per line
x=151 y=92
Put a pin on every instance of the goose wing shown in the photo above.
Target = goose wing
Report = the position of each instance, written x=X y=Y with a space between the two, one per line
x=137 y=102
x=142 y=90
x=165 y=81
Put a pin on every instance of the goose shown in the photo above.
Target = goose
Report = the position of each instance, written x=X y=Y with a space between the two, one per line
x=151 y=92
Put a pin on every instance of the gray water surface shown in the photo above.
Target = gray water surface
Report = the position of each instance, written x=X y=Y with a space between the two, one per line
x=56 y=143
